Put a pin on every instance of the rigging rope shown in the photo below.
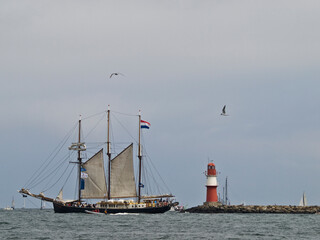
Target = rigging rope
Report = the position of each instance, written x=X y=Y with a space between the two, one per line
x=166 y=186
x=32 y=203
x=96 y=114
x=32 y=179
x=148 y=157
x=152 y=176
x=126 y=114
x=45 y=176
x=94 y=127
x=57 y=180
x=68 y=176
x=125 y=129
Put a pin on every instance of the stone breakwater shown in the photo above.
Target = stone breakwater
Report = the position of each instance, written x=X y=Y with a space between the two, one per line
x=255 y=209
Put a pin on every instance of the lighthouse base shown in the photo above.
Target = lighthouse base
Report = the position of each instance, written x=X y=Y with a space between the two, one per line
x=212 y=204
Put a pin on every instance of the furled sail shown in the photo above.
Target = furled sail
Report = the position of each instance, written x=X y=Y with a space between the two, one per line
x=93 y=177
x=122 y=182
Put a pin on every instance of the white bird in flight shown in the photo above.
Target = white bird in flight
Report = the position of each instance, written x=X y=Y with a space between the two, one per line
x=224 y=111
x=115 y=74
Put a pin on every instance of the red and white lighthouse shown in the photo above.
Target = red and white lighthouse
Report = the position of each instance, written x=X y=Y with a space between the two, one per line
x=212 y=183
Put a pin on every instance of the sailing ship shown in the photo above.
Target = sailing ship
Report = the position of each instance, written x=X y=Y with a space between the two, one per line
x=115 y=190
x=303 y=201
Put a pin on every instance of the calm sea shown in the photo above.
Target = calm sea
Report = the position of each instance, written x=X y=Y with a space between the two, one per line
x=45 y=224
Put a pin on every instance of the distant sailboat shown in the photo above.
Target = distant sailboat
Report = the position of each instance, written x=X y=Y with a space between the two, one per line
x=12 y=206
x=303 y=201
x=43 y=205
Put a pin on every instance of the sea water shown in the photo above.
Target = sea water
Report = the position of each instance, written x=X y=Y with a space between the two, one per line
x=45 y=224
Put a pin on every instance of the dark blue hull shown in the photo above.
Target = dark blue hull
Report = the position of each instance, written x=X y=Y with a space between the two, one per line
x=61 y=208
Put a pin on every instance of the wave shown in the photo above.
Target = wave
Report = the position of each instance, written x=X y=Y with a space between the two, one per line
x=122 y=214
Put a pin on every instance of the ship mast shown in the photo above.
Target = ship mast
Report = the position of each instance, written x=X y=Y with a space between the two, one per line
x=80 y=161
x=140 y=159
x=227 y=191
x=79 y=146
x=108 y=152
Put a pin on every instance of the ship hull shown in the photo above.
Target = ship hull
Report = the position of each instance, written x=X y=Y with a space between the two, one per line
x=60 y=208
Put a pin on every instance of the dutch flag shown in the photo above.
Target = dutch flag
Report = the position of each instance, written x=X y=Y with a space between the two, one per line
x=145 y=124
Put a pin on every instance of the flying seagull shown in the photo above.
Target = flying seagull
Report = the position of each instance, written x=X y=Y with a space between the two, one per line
x=115 y=74
x=224 y=111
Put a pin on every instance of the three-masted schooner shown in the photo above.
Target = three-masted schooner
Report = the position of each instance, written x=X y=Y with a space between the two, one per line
x=115 y=190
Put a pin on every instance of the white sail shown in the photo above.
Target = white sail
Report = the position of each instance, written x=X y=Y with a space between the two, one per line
x=94 y=177
x=303 y=201
x=122 y=182
x=60 y=196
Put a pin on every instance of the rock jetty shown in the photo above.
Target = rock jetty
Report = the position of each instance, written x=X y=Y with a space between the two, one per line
x=254 y=209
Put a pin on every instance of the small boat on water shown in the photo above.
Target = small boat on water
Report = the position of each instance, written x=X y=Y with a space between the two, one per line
x=179 y=208
x=117 y=188
x=7 y=208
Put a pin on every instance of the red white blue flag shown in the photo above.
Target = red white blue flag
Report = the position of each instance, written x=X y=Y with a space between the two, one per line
x=145 y=124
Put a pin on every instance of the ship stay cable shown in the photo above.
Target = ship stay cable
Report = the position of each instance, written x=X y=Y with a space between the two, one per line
x=49 y=172
x=65 y=182
x=153 y=167
x=95 y=144
x=57 y=180
x=94 y=127
x=125 y=128
x=146 y=187
x=150 y=176
x=32 y=203
x=43 y=167
x=147 y=156
x=94 y=115
x=119 y=145
x=150 y=168
x=145 y=177
x=127 y=114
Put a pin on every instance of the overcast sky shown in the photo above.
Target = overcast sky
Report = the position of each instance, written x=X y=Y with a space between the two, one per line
x=183 y=60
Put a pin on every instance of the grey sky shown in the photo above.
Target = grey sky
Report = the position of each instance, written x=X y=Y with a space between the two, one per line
x=183 y=61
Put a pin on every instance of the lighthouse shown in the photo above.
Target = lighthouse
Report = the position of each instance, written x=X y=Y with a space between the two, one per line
x=212 y=184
